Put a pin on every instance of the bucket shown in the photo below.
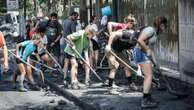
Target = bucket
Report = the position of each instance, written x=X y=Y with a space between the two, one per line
x=106 y=11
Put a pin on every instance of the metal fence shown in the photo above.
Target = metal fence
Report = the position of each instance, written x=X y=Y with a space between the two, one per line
x=145 y=11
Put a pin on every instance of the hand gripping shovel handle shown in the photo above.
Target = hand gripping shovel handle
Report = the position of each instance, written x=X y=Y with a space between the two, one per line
x=36 y=69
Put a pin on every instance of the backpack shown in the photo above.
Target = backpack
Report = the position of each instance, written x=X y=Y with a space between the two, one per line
x=128 y=40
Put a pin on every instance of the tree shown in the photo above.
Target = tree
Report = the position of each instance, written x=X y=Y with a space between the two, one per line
x=2 y=6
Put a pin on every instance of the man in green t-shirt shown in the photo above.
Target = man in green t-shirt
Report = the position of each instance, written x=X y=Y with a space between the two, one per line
x=78 y=41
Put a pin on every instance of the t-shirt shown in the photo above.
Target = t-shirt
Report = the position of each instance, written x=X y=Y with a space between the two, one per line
x=151 y=36
x=81 y=43
x=69 y=27
x=28 y=47
x=120 y=26
x=104 y=20
x=31 y=33
x=52 y=31
x=2 y=40
x=124 y=42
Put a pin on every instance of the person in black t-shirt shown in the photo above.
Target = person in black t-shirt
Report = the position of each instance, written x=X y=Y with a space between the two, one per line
x=119 y=42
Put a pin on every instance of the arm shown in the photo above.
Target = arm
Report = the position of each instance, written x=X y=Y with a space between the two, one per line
x=59 y=34
x=110 y=26
x=87 y=68
x=86 y=56
x=37 y=56
x=142 y=42
x=70 y=40
x=73 y=27
x=58 y=38
x=5 y=53
x=113 y=36
x=17 y=49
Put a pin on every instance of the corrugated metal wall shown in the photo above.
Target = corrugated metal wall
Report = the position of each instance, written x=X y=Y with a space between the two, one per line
x=186 y=37
x=145 y=11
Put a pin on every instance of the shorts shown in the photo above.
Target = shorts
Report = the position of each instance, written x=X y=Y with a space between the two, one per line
x=34 y=56
x=18 y=61
x=95 y=45
x=42 y=54
x=139 y=56
x=62 y=48
x=55 y=50
x=68 y=56
x=114 y=62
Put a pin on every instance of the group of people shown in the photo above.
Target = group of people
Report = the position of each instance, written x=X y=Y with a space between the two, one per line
x=46 y=38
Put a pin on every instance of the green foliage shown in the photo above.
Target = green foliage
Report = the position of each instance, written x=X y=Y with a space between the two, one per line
x=75 y=2
x=2 y=6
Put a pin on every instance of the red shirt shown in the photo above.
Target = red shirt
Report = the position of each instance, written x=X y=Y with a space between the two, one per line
x=31 y=34
x=120 y=26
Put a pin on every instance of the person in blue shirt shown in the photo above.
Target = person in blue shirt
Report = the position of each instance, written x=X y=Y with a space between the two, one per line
x=23 y=51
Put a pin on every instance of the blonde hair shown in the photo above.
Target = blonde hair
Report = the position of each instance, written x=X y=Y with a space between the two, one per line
x=89 y=29
x=129 y=18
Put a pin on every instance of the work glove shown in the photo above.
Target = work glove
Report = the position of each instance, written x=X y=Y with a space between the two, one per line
x=157 y=68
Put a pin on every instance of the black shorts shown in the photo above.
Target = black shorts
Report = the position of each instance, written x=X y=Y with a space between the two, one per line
x=34 y=56
x=18 y=61
x=68 y=56
x=55 y=50
x=95 y=45
x=42 y=54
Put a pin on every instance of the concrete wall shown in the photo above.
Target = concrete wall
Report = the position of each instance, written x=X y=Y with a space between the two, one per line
x=186 y=39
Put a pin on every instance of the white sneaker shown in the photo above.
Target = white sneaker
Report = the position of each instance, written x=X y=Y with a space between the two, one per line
x=22 y=89
x=114 y=91
x=115 y=86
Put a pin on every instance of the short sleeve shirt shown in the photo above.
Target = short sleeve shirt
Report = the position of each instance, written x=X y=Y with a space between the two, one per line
x=52 y=31
x=81 y=43
x=151 y=36
x=120 y=26
x=28 y=48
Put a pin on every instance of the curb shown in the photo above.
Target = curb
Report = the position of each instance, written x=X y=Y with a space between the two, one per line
x=71 y=97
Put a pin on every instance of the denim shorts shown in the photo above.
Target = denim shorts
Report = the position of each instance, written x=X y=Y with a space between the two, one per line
x=139 y=56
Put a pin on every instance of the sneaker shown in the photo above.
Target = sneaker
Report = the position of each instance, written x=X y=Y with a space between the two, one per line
x=22 y=89
x=75 y=86
x=133 y=87
x=115 y=86
x=114 y=91
x=87 y=82
x=148 y=103
x=65 y=83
